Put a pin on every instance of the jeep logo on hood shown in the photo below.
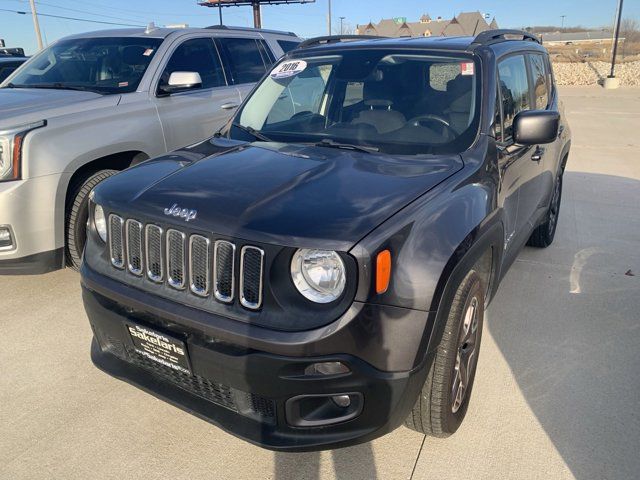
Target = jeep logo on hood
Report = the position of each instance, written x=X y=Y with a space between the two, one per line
x=176 y=211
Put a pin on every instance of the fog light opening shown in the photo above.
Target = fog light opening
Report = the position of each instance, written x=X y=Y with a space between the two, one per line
x=326 y=368
x=6 y=239
x=343 y=401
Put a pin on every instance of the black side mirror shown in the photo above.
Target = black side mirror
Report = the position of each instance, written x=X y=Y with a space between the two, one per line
x=535 y=127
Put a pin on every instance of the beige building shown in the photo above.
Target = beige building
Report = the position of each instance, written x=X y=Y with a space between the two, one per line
x=463 y=24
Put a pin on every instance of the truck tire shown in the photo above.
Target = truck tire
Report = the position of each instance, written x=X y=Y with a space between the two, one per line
x=443 y=401
x=77 y=214
x=544 y=233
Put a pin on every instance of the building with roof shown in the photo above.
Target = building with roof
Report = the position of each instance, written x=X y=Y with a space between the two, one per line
x=463 y=24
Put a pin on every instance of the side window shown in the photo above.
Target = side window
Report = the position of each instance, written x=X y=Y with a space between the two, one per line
x=267 y=55
x=196 y=55
x=287 y=45
x=514 y=90
x=244 y=58
x=540 y=81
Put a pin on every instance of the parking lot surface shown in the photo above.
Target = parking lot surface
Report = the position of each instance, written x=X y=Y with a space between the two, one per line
x=556 y=394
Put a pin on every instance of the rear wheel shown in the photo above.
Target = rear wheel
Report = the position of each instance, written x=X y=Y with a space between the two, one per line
x=443 y=401
x=78 y=213
x=544 y=233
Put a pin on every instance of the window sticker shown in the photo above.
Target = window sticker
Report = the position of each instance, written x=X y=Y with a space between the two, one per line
x=148 y=52
x=288 y=69
x=123 y=84
x=466 y=68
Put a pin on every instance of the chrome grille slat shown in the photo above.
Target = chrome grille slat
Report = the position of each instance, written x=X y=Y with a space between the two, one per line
x=224 y=270
x=199 y=261
x=133 y=236
x=176 y=259
x=251 y=272
x=153 y=249
x=116 y=248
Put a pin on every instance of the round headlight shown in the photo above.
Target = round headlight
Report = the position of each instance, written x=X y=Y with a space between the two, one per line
x=319 y=275
x=100 y=222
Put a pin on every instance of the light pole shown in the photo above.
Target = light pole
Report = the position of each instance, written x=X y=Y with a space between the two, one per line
x=611 y=81
x=36 y=25
x=562 y=17
x=341 y=30
x=329 y=18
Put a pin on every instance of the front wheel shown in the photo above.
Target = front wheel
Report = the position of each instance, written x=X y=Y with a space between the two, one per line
x=78 y=213
x=544 y=233
x=443 y=401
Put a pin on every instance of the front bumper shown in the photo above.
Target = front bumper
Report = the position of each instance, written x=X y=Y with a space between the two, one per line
x=29 y=209
x=248 y=391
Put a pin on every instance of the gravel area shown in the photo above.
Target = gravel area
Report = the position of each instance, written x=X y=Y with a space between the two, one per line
x=592 y=73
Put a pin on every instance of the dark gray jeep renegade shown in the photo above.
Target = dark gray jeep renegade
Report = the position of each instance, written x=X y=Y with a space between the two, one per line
x=316 y=274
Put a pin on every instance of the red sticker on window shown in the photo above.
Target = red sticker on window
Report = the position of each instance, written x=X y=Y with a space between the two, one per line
x=466 y=68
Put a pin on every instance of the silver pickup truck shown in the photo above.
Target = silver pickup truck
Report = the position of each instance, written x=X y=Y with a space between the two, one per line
x=91 y=105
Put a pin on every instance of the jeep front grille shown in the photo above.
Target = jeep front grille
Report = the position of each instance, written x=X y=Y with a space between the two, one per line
x=116 y=249
x=174 y=258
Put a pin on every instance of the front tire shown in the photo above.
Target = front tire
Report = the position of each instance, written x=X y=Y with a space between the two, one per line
x=78 y=213
x=544 y=233
x=443 y=401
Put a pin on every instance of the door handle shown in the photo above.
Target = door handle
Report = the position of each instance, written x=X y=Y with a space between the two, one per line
x=229 y=106
x=538 y=154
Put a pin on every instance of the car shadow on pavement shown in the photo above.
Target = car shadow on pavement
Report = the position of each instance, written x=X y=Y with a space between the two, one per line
x=351 y=463
x=567 y=321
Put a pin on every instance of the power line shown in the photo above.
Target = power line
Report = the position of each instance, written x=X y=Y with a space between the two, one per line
x=19 y=12
x=51 y=5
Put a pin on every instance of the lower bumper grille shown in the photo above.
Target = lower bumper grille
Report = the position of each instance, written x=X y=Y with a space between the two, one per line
x=244 y=403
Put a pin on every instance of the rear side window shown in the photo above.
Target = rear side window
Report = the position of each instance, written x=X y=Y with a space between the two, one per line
x=287 y=45
x=540 y=81
x=244 y=59
x=514 y=90
x=6 y=70
x=196 y=55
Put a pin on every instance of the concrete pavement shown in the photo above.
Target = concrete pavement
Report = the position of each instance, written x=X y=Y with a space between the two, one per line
x=556 y=394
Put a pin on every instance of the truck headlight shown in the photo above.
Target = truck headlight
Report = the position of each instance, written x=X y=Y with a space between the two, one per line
x=11 y=149
x=319 y=275
x=100 y=221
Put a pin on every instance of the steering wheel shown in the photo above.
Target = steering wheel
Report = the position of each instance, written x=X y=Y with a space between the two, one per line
x=431 y=118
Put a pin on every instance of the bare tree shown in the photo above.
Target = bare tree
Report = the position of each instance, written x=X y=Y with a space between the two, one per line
x=630 y=30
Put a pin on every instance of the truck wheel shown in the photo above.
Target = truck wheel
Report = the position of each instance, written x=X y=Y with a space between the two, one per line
x=544 y=233
x=443 y=401
x=78 y=213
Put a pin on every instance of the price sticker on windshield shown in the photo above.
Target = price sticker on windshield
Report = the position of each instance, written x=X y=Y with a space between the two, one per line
x=288 y=69
x=466 y=68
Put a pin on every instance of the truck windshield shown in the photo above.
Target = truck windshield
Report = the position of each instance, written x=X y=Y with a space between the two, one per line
x=387 y=101
x=103 y=65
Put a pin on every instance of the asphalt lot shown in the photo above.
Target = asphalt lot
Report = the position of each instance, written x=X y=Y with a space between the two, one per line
x=556 y=395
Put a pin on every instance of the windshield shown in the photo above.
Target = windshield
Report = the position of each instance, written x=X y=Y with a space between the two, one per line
x=400 y=103
x=103 y=65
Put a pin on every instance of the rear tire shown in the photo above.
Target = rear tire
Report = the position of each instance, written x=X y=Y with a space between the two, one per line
x=78 y=213
x=544 y=233
x=443 y=401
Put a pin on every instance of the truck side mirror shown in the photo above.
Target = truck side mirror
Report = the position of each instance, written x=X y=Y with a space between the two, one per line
x=182 y=81
x=535 y=127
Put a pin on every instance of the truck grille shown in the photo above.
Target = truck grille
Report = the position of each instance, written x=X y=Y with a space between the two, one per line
x=174 y=258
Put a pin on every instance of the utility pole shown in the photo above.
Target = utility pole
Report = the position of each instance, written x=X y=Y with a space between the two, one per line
x=220 y=11
x=329 y=18
x=341 y=20
x=562 y=17
x=257 y=18
x=616 y=37
x=36 y=25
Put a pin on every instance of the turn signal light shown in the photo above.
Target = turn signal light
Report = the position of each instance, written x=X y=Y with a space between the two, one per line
x=383 y=271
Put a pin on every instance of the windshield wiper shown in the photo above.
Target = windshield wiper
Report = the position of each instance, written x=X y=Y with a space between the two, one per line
x=253 y=131
x=58 y=86
x=327 y=142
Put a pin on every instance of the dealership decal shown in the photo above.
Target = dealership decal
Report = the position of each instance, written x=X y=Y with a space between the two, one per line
x=288 y=69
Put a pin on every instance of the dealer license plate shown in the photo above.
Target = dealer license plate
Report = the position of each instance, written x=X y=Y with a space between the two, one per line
x=160 y=347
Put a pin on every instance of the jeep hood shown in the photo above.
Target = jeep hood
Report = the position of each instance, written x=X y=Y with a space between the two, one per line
x=290 y=195
x=25 y=105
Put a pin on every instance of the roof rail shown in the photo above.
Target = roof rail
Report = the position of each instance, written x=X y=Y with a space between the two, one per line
x=490 y=37
x=250 y=29
x=313 y=42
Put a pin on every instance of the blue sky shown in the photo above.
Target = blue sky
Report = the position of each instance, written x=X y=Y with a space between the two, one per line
x=306 y=20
